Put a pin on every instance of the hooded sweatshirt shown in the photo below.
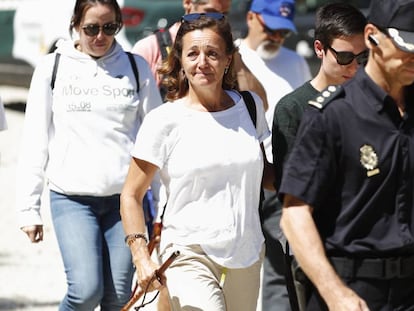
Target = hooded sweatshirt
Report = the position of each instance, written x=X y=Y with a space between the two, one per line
x=78 y=136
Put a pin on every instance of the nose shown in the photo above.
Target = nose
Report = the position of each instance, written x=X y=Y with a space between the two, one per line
x=353 y=67
x=100 y=33
x=202 y=59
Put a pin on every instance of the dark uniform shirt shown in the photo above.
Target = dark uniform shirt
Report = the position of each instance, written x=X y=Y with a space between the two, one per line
x=353 y=162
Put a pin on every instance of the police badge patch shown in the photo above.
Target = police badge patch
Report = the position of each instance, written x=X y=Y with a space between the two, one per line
x=369 y=160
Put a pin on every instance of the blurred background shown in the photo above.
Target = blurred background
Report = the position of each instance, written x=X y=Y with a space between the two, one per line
x=31 y=28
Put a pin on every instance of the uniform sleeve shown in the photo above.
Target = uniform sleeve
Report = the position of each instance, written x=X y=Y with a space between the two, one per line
x=310 y=169
x=33 y=154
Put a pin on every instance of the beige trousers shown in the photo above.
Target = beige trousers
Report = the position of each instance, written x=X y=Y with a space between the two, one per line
x=196 y=283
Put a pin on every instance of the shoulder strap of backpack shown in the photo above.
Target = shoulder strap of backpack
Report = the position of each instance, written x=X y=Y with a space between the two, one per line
x=250 y=104
x=164 y=42
x=55 y=68
x=134 y=68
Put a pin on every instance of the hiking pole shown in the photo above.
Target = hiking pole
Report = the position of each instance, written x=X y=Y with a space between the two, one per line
x=155 y=238
x=157 y=275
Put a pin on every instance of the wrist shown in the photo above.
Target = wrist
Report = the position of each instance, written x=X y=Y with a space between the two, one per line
x=133 y=237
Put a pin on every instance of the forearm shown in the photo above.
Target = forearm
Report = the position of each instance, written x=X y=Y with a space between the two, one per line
x=133 y=222
x=300 y=230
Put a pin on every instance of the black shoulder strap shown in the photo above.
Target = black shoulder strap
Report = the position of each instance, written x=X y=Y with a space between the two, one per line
x=55 y=68
x=134 y=68
x=251 y=106
x=131 y=59
x=164 y=42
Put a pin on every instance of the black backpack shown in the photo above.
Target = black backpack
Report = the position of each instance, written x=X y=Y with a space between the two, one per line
x=130 y=57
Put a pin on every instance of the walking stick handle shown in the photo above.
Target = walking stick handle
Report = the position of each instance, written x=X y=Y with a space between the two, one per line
x=156 y=235
x=158 y=274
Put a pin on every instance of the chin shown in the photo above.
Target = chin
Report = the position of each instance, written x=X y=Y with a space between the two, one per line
x=268 y=50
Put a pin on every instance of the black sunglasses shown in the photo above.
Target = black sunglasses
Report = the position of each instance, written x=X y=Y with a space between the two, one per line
x=195 y=16
x=345 y=58
x=93 y=29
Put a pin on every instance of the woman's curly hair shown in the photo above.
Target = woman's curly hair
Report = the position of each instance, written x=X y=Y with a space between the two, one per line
x=174 y=79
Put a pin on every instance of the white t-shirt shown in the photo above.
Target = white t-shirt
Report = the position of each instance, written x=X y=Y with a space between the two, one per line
x=290 y=66
x=275 y=86
x=211 y=165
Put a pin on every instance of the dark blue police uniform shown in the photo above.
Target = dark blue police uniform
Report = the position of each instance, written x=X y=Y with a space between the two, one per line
x=353 y=162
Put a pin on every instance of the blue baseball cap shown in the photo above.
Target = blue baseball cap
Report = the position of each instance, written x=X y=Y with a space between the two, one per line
x=276 y=14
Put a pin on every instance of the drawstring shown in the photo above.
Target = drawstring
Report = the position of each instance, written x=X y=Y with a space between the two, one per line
x=223 y=277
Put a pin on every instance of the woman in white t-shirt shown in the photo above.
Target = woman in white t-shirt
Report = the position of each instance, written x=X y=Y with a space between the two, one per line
x=208 y=153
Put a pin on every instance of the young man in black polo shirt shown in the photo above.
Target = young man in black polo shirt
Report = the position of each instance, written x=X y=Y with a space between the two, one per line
x=349 y=182
x=339 y=27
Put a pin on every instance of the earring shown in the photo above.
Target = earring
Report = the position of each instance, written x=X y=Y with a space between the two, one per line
x=226 y=70
x=184 y=77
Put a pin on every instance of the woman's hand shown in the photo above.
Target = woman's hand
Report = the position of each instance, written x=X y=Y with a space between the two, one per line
x=146 y=275
x=35 y=233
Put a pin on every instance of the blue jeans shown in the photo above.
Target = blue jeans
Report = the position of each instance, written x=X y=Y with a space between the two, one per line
x=97 y=262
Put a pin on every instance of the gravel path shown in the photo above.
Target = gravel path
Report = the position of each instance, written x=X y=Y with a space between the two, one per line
x=31 y=275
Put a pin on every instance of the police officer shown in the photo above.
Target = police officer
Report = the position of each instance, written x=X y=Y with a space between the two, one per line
x=348 y=186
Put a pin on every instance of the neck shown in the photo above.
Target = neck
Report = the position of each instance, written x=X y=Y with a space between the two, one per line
x=320 y=82
x=209 y=101
x=389 y=84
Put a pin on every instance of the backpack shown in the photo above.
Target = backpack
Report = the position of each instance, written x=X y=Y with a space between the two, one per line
x=130 y=57
x=251 y=107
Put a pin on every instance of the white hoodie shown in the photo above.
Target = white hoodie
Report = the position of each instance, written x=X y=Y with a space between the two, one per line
x=79 y=136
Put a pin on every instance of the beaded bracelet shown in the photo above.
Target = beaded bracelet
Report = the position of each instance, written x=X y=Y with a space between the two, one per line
x=131 y=238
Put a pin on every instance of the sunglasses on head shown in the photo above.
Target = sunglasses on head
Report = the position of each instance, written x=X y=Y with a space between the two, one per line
x=108 y=29
x=345 y=58
x=195 y=16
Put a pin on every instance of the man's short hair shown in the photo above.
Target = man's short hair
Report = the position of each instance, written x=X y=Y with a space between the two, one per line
x=336 y=20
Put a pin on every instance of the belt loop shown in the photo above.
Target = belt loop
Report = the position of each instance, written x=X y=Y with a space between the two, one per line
x=392 y=268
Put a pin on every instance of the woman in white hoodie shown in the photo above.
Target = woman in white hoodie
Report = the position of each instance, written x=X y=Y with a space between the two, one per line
x=83 y=113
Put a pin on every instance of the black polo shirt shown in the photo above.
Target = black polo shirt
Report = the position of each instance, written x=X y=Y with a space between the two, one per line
x=353 y=162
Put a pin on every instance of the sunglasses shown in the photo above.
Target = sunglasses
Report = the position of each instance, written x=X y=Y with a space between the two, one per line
x=92 y=30
x=345 y=58
x=196 y=16
x=283 y=33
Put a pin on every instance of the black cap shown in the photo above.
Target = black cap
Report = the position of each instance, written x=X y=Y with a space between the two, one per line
x=397 y=18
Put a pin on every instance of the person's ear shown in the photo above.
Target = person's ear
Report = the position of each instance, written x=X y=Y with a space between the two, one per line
x=373 y=40
x=250 y=16
x=187 y=6
x=318 y=48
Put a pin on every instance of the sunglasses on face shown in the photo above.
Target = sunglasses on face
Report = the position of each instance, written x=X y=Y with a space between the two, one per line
x=93 y=29
x=345 y=58
x=195 y=16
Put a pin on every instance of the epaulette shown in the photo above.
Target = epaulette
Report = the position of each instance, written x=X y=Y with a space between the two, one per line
x=326 y=96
